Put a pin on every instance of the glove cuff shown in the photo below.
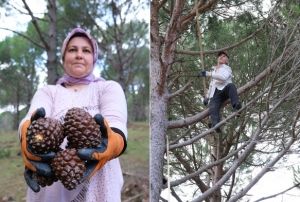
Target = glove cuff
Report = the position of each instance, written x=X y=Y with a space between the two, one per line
x=26 y=154
x=119 y=132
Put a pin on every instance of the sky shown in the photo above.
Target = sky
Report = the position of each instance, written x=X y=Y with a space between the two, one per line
x=38 y=8
x=10 y=22
x=277 y=181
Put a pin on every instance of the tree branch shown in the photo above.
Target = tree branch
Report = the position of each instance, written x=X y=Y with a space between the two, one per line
x=180 y=90
x=196 y=53
x=249 y=148
x=269 y=165
x=175 y=195
x=276 y=64
x=189 y=170
x=168 y=52
x=211 y=130
x=35 y=24
x=202 y=7
x=24 y=36
x=274 y=195
x=204 y=168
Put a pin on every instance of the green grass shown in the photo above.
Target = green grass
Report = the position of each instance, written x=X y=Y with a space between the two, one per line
x=12 y=184
x=136 y=157
x=135 y=160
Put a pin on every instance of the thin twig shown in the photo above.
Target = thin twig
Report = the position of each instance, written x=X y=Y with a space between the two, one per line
x=280 y=193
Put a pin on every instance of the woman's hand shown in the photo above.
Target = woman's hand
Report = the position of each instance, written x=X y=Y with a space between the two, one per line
x=112 y=145
x=34 y=162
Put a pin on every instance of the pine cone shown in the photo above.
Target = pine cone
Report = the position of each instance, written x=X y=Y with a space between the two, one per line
x=81 y=129
x=44 y=135
x=68 y=168
x=44 y=181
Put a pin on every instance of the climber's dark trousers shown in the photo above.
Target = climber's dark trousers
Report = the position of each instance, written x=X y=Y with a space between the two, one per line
x=220 y=96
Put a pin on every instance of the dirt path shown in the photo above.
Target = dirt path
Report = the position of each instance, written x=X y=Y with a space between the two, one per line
x=136 y=182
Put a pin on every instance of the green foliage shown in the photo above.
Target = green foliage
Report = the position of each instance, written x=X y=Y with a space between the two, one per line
x=138 y=90
x=123 y=41
x=11 y=94
x=18 y=74
x=5 y=52
x=6 y=121
x=12 y=182
x=138 y=142
x=224 y=30
x=4 y=153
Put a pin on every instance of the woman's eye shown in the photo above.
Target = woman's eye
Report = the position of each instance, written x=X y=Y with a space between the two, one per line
x=72 y=50
x=87 y=51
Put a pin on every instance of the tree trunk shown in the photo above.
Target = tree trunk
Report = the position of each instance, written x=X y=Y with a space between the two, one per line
x=17 y=109
x=217 y=170
x=158 y=144
x=161 y=61
x=52 y=63
x=158 y=126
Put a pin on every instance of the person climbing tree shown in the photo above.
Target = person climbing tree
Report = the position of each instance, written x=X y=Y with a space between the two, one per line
x=220 y=89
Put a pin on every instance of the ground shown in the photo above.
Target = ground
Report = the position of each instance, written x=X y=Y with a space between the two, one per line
x=136 y=189
x=135 y=164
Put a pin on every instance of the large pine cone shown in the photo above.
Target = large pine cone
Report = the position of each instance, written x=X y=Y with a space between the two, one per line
x=68 y=168
x=81 y=129
x=44 y=135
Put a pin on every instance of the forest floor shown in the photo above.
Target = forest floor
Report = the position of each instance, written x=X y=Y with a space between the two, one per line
x=134 y=163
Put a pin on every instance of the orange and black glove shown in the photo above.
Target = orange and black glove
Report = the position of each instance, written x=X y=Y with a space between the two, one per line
x=34 y=162
x=113 y=144
x=205 y=101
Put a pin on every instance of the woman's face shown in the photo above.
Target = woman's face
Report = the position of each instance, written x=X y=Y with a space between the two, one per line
x=223 y=59
x=78 y=59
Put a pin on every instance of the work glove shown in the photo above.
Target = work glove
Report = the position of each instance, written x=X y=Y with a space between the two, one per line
x=34 y=162
x=202 y=74
x=205 y=101
x=112 y=145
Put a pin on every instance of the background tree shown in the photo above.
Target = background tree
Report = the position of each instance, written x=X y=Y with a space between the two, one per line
x=18 y=74
x=263 y=54
x=121 y=37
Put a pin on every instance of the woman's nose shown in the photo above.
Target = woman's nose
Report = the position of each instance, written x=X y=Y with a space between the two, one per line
x=79 y=54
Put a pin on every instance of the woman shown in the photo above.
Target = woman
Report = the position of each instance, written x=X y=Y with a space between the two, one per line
x=221 y=88
x=80 y=88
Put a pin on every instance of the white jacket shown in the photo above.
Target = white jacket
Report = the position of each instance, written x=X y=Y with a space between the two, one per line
x=220 y=77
